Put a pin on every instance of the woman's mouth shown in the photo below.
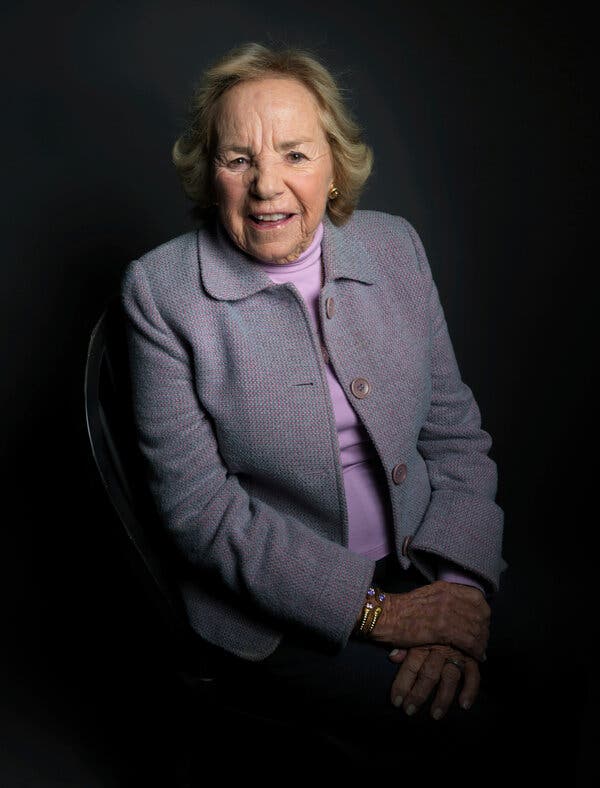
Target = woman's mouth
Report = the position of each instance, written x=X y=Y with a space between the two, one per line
x=267 y=221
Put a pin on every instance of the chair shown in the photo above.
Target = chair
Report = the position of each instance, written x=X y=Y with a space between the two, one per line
x=112 y=439
x=110 y=427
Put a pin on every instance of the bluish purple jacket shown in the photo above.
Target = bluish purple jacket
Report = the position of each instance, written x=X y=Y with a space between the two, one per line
x=235 y=422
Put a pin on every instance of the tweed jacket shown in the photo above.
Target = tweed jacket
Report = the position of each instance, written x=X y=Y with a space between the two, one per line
x=236 y=426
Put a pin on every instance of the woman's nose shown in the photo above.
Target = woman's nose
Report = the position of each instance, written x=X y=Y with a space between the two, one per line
x=266 y=182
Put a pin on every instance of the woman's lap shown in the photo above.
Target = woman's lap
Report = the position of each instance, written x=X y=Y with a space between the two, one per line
x=348 y=693
x=352 y=683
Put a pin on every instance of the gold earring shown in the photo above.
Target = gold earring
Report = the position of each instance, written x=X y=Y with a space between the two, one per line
x=333 y=192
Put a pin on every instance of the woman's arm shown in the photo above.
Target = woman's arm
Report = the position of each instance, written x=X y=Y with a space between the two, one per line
x=463 y=524
x=271 y=561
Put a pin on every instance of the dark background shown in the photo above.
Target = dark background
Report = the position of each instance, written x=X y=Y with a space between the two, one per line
x=480 y=118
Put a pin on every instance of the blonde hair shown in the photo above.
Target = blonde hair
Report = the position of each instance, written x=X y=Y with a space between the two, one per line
x=193 y=151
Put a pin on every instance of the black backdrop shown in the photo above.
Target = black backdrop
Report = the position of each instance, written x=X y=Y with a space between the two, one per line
x=479 y=115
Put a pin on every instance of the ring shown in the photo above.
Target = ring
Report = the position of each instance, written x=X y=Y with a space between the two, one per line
x=459 y=664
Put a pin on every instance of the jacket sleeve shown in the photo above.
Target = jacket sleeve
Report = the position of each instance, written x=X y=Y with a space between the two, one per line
x=462 y=524
x=270 y=561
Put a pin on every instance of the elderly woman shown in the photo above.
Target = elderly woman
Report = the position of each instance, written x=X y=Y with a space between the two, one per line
x=309 y=443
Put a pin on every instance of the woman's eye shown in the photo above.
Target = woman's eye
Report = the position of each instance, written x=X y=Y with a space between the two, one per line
x=239 y=163
x=296 y=156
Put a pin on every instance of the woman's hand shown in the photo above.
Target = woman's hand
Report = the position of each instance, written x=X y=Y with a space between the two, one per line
x=425 y=667
x=450 y=614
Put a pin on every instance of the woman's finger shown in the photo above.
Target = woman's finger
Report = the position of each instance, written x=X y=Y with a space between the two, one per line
x=450 y=680
x=471 y=685
x=427 y=679
x=397 y=655
x=407 y=674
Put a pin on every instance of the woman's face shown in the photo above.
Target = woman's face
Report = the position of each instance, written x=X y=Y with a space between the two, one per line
x=272 y=158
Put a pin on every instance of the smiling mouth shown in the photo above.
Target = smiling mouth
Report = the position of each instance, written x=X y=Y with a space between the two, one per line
x=270 y=216
x=269 y=220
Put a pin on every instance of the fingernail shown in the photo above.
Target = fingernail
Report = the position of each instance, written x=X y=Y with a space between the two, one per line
x=394 y=651
x=410 y=710
x=398 y=700
x=465 y=705
x=437 y=714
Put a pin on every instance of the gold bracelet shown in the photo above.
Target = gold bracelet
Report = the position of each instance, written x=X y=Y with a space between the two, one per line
x=370 y=609
x=364 y=618
x=376 y=615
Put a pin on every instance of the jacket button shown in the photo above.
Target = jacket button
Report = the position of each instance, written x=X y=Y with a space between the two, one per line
x=325 y=354
x=406 y=544
x=360 y=387
x=399 y=473
x=329 y=307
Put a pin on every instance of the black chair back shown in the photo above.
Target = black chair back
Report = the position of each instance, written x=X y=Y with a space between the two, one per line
x=111 y=431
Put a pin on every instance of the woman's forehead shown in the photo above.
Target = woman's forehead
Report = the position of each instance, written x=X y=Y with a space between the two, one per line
x=275 y=106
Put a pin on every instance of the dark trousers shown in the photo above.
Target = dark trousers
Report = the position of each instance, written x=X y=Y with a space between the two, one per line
x=346 y=698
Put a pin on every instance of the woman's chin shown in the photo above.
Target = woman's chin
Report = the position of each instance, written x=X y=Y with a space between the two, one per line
x=275 y=252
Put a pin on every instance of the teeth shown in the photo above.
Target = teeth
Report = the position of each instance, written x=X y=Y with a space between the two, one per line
x=271 y=217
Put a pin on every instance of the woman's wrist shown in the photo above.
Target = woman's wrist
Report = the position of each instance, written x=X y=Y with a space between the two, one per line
x=383 y=631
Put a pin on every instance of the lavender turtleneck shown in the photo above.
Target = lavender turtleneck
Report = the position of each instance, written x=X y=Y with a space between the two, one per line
x=369 y=511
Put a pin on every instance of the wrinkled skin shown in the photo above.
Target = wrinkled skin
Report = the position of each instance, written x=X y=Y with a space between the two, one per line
x=272 y=157
x=448 y=614
x=424 y=672
x=428 y=625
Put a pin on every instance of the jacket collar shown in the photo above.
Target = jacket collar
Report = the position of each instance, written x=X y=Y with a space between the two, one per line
x=229 y=273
